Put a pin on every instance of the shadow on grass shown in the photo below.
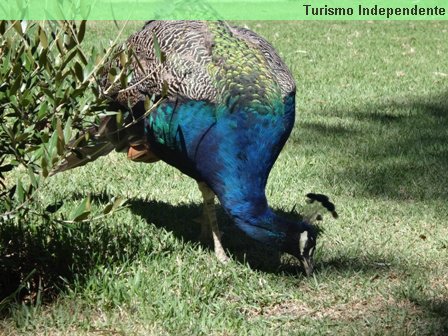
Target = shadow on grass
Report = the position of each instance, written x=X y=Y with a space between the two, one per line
x=38 y=261
x=438 y=308
x=396 y=151
x=57 y=252
x=179 y=220
x=432 y=304
x=39 y=258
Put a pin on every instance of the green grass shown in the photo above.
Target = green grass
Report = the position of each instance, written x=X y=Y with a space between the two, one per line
x=371 y=132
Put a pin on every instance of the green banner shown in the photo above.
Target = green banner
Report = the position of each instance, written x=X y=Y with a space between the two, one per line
x=223 y=9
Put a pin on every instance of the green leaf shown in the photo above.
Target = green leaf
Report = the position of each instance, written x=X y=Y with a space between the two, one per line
x=70 y=42
x=6 y=168
x=78 y=71
x=118 y=201
x=18 y=27
x=82 y=57
x=60 y=45
x=43 y=38
x=20 y=192
x=165 y=87
x=44 y=61
x=81 y=31
x=34 y=178
x=115 y=203
x=68 y=58
x=16 y=84
x=119 y=118
x=3 y=24
x=113 y=71
x=37 y=153
x=107 y=208
x=52 y=208
x=42 y=110
x=52 y=144
x=82 y=211
x=60 y=145
x=123 y=58
x=44 y=166
x=68 y=130
x=123 y=80
x=159 y=53
x=148 y=103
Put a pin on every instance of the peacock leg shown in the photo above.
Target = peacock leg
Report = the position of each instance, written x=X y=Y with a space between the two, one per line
x=210 y=221
x=206 y=230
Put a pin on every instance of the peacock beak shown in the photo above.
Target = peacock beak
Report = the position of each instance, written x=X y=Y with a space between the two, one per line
x=307 y=264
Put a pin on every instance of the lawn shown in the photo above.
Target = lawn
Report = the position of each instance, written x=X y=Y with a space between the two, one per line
x=371 y=132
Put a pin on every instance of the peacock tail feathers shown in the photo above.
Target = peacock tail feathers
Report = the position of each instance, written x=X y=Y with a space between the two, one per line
x=85 y=148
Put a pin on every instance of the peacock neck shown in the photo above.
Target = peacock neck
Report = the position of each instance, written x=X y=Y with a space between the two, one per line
x=260 y=222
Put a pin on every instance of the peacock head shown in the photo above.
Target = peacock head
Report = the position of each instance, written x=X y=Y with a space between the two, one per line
x=302 y=245
x=301 y=240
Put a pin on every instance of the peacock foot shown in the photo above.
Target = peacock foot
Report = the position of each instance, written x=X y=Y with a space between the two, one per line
x=209 y=222
x=205 y=236
x=221 y=256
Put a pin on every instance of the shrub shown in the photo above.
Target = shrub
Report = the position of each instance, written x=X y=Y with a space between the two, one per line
x=49 y=92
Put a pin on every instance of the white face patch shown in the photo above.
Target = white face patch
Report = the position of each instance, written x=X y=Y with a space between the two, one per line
x=302 y=241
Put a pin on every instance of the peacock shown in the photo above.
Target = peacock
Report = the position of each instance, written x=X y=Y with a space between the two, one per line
x=226 y=106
